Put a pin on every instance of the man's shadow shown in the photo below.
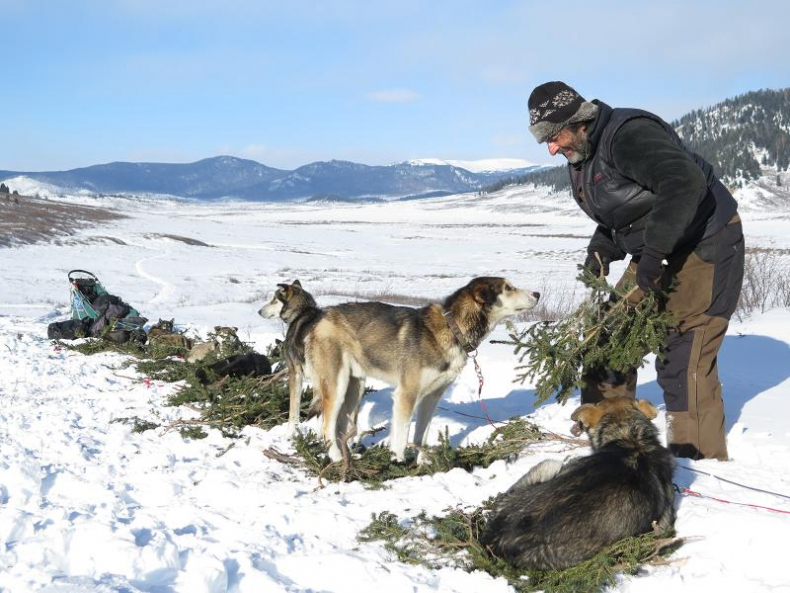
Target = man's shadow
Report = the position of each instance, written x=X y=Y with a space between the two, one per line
x=748 y=365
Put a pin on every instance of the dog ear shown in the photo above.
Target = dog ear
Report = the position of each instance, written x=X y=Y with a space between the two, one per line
x=484 y=294
x=297 y=284
x=647 y=408
x=588 y=414
x=287 y=290
x=579 y=410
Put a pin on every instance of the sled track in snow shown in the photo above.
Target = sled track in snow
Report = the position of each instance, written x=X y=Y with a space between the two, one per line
x=167 y=287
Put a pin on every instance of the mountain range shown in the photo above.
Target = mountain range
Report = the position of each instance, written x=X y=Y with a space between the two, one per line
x=231 y=177
x=745 y=138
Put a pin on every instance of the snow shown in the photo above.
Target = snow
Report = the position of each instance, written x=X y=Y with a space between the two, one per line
x=481 y=165
x=87 y=505
x=27 y=186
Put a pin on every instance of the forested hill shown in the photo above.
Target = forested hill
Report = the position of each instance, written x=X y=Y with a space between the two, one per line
x=744 y=138
x=740 y=136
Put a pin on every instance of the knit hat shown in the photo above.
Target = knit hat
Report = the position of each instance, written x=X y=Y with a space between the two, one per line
x=554 y=105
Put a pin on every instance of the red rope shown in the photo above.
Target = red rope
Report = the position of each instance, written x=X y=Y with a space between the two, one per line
x=686 y=491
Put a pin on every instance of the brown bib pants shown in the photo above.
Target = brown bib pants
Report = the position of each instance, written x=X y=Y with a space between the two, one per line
x=706 y=291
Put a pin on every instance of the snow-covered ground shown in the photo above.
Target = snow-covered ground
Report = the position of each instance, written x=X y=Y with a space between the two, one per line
x=87 y=505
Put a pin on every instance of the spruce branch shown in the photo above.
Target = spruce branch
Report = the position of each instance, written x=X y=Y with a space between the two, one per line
x=607 y=330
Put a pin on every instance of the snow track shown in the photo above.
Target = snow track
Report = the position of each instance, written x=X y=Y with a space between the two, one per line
x=167 y=287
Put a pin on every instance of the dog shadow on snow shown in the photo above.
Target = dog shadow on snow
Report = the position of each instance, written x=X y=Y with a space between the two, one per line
x=470 y=415
x=748 y=365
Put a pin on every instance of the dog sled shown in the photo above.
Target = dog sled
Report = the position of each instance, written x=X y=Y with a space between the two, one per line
x=97 y=313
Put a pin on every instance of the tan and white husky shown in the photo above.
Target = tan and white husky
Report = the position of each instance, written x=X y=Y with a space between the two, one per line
x=418 y=351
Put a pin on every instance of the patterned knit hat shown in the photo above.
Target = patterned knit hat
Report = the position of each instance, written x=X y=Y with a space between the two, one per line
x=554 y=105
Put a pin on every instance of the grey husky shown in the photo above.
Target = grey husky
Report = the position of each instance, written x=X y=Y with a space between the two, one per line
x=298 y=309
x=418 y=351
x=559 y=515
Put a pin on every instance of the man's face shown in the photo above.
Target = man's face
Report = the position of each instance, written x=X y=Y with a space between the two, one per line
x=572 y=144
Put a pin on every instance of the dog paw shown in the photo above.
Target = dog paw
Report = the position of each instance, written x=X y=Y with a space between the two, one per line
x=335 y=454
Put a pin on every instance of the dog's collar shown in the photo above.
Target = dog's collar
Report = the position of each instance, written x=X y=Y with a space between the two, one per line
x=456 y=331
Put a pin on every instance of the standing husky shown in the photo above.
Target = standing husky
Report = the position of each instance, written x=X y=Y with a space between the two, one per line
x=298 y=309
x=419 y=351
x=559 y=515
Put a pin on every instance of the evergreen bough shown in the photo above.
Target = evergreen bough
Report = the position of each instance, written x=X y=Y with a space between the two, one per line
x=231 y=403
x=375 y=465
x=453 y=540
x=226 y=403
x=605 y=331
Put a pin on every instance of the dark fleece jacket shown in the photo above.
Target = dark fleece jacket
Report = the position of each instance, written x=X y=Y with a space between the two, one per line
x=643 y=151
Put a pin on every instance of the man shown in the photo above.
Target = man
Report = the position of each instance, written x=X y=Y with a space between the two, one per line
x=658 y=202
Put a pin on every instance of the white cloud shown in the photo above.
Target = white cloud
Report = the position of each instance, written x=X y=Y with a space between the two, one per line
x=393 y=96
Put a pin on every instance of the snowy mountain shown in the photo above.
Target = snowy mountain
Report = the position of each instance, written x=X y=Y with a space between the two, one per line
x=483 y=165
x=208 y=178
x=746 y=138
x=231 y=177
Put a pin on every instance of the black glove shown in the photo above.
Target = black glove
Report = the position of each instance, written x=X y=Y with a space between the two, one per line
x=591 y=264
x=649 y=270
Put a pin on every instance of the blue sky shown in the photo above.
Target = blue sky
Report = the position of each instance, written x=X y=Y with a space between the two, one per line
x=287 y=83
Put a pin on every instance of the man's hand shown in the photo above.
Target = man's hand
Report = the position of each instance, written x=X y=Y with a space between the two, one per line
x=596 y=267
x=649 y=270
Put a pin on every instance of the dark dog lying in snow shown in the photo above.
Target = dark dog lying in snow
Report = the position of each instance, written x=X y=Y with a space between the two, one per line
x=238 y=365
x=559 y=515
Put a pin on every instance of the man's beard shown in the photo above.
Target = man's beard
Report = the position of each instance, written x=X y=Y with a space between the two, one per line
x=580 y=147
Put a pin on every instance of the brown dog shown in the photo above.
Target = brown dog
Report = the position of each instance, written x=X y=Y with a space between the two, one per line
x=419 y=351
